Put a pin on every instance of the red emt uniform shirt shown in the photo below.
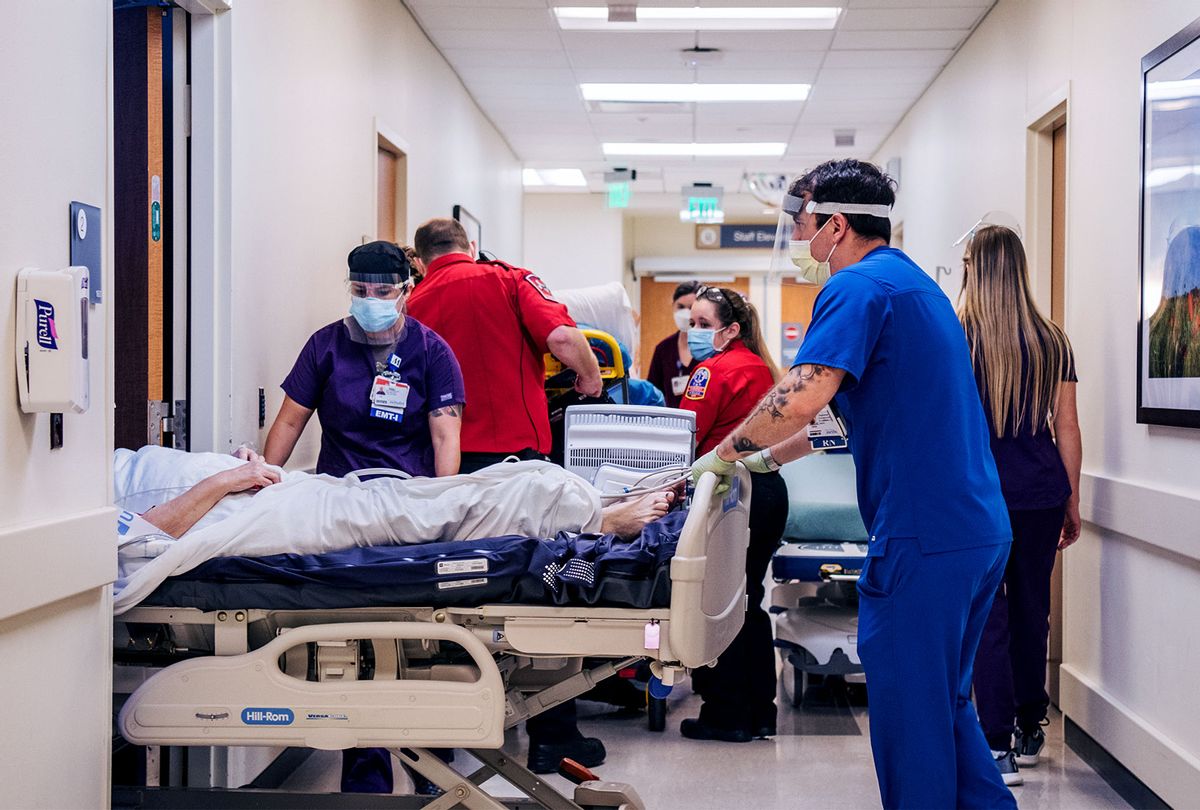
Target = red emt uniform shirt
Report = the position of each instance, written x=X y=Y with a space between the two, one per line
x=722 y=391
x=496 y=319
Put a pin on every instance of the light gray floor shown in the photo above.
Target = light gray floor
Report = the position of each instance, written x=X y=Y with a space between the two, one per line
x=821 y=759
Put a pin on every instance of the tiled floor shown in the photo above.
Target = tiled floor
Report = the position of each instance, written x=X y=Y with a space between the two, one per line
x=821 y=759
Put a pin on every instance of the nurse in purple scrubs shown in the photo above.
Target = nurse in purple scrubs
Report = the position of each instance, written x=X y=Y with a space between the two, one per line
x=387 y=390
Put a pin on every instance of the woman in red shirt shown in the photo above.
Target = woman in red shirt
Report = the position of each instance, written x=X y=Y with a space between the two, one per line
x=733 y=375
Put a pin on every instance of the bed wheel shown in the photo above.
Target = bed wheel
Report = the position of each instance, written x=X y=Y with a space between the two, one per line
x=656 y=713
x=799 y=686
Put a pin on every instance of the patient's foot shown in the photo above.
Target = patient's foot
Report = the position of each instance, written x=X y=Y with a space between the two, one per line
x=626 y=518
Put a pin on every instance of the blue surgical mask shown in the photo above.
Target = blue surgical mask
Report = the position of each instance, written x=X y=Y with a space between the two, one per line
x=700 y=342
x=374 y=314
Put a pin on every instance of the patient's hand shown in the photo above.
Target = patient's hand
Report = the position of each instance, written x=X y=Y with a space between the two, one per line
x=253 y=475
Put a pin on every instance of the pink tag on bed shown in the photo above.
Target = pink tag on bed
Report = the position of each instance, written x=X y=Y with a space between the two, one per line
x=652 y=635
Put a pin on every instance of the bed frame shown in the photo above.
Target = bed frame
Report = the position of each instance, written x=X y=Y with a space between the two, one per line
x=371 y=677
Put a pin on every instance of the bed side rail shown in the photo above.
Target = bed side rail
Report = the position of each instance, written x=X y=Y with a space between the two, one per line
x=248 y=700
x=708 y=572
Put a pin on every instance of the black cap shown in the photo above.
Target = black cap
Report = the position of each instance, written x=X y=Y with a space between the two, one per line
x=379 y=262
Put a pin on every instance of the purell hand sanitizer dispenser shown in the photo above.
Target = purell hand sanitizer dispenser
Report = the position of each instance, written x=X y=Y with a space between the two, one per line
x=52 y=340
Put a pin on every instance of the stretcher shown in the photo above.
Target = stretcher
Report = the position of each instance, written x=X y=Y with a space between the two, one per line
x=410 y=678
x=815 y=600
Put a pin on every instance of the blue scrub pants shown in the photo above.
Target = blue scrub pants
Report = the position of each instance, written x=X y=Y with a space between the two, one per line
x=920 y=619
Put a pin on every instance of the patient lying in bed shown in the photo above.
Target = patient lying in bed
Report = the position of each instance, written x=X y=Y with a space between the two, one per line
x=208 y=502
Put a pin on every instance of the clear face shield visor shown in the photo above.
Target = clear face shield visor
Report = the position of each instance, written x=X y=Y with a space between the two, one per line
x=792 y=256
x=1001 y=218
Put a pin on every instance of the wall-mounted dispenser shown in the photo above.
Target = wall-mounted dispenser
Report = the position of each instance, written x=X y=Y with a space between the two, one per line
x=52 y=340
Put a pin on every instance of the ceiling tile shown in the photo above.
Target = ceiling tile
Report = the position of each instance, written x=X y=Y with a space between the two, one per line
x=626 y=42
x=897 y=40
x=789 y=42
x=482 y=58
x=423 y=4
x=901 y=19
x=631 y=74
x=443 y=17
x=720 y=74
x=857 y=77
x=487 y=38
x=624 y=127
x=887 y=59
x=517 y=75
x=890 y=4
x=752 y=112
x=737 y=132
x=561 y=93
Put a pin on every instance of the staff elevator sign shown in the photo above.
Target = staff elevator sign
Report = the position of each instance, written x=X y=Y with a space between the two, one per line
x=721 y=237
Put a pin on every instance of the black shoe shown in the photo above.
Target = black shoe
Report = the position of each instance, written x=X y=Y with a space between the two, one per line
x=697 y=729
x=764 y=722
x=423 y=787
x=545 y=757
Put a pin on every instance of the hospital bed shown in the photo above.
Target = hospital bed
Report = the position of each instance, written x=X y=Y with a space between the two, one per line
x=815 y=599
x=412 y=677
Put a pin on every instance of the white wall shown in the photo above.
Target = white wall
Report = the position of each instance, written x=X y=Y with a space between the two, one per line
x=310 y=84
x=573 y=240
x=56 y=534
x=1132 y=583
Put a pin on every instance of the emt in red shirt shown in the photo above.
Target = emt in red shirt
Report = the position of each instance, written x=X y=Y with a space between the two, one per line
x=500 y=321
x=733 y=374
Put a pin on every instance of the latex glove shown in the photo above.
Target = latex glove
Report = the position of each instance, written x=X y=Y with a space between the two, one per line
x=761 y=462
x=711 y=462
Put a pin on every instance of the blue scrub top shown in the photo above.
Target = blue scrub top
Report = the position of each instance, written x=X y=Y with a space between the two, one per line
x=333 y=375
x=917 y=429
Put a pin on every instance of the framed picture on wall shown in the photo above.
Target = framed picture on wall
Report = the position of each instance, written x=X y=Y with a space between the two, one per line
x=473 y=226
x=1169 y=325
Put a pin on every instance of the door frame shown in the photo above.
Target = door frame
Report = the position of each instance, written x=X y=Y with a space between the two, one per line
x=386 y=137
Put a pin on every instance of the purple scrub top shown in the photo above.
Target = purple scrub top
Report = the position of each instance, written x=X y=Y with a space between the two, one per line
x=333 y=375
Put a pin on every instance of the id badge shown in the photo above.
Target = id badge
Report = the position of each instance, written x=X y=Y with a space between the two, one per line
x=389 y=398
x=679 y=384
x=826 y=431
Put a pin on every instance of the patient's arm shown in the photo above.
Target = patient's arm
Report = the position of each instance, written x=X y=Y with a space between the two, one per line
x=285 y=431
x=178 y=515
x=445 y=426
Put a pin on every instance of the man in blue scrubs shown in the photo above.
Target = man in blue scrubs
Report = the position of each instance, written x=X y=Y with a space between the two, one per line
x=885 y=343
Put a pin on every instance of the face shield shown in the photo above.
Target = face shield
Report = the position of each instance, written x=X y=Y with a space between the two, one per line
x=794 y=257
x=1001 y=218
x=376 y=307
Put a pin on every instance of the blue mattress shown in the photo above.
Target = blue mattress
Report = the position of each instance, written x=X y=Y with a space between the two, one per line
x=823 y=500
x=802 y=561
x=588 y=569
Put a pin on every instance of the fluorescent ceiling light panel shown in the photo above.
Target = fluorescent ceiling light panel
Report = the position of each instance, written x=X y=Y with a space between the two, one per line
x=595 y=18
x=696 y=149
x=554 y=177
x=647 y=92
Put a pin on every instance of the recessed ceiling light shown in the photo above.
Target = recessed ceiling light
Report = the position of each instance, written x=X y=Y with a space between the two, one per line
x=553 y=177
x=596 y=18
x=696 y=149
x=646 y=92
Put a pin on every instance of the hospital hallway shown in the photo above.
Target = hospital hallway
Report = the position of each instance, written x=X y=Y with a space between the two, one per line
x=379 y=376
x=821 y=759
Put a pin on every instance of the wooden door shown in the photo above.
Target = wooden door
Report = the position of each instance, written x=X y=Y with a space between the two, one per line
x=142 y=191
x=386 y=225
x=657 y=311
x=1058 y=286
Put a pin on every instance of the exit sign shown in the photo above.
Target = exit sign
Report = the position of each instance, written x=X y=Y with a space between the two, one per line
x=702 y=209
x=618 y=195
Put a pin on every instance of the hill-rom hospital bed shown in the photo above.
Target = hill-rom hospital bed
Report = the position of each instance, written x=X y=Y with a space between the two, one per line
x=413 y=675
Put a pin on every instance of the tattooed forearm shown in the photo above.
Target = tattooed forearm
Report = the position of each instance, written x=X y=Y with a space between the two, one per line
x=449 y=410
x=744 y=445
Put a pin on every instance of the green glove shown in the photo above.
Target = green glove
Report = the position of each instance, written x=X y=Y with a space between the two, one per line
x=711 y=462
x=761 y=462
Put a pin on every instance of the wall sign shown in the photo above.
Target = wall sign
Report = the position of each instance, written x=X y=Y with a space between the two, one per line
x=721 y=237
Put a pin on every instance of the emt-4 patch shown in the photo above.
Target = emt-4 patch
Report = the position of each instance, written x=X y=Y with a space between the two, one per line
x=698 y=385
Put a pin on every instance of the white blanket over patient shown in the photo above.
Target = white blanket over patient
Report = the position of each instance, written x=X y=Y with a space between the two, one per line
x=313 y=514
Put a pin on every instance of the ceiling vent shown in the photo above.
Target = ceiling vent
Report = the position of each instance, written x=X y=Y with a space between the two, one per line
x=843 y=137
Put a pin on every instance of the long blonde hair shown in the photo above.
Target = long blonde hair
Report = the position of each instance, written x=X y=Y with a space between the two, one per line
x=997 y=310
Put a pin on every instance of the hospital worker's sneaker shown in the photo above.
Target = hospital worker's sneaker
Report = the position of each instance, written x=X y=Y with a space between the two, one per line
x=545 y=757
x=1029 y=746
x=1006 y=761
